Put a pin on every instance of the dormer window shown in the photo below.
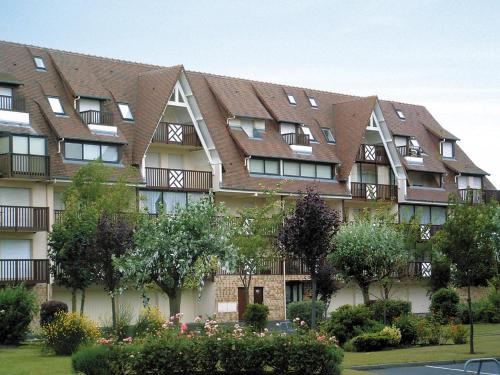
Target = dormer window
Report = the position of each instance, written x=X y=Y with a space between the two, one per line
x=55 y=105
x=307 y=130
x=400 y=114
x=328 y=135
x=291 y=99
x=448 y=149
x=39 y=63
x=125 y=112
x=312 y=102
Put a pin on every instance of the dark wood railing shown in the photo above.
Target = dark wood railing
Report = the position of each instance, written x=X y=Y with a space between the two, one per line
x=296 y=139
x=24 y=166
x=410 y=151
x=24 y=218
x=31 y=271
x=373 y=191
x=415 y=270
x=179 y=134
x=97 y=117
x=478 y=196
x=178 y=179
x=274 y=267
x=372 y=153
x=428 y=230
x=13 y=103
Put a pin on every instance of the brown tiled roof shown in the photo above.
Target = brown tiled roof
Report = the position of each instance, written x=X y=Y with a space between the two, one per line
x=462 y=163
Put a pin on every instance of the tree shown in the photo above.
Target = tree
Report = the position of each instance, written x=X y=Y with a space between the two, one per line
x=113 y=240
x=305 y=235
x=469 y=240
x=369 y=251
x=169 y=250
x=72 y=249
x=326 y=283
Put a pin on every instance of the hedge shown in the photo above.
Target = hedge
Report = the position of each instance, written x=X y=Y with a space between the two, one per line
x=385 y=311
x=303 y=310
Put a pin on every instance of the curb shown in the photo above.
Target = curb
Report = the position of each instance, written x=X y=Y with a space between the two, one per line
x=410 y=364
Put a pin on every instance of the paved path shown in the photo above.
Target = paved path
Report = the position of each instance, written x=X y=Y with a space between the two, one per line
x=487 y=369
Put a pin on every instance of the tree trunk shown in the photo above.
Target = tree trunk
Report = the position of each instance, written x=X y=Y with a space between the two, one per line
x=82 y=302
x=113 y=310
x=73 y=300
x=174 y=301
x=471 y=321
x=313 y=304
x=365 y=289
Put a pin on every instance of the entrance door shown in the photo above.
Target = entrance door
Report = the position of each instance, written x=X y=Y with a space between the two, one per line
x=258 y=295
x=241 y=303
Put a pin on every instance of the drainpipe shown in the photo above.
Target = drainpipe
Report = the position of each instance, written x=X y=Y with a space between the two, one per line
x=75 y=101
x=59 y=145
x=284 y=286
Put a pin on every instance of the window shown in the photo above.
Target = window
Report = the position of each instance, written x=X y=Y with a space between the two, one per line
x=307 y=170
x=29 y=145
x=448 y=149
x=152 y=200
x=328 y=135
x=424 y=179
x=40 y=65
x=91 y=151
x=125 y=111
x=56 y=105
x=265 y=166
x=291 y=99
x=313 y=102
x=400 y=114
x=307 y=130
x=424 y=214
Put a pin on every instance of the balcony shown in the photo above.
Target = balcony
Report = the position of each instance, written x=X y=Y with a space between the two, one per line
x=478 y=196
x=274 y=267
x=29 y=271
x=372 y=154
x=412 y=151
x=24 y=166
x=177 y=134
x=297 y=139
x=373 y=191
x=415 y=270
x=13 y=103
x=24 y=219
x=178 y=179
x=428 y=230
x=97 y=117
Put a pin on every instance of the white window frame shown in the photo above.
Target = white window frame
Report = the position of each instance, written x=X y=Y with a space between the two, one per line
x=312 y=101
x=39 y=63
x=55 y=104
x=125 y=111
x=291 y=99
x=452 y=144
x=400 y=114
x=327 y=133
x=307 y=130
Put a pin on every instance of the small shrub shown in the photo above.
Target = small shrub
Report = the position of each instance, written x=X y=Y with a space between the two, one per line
x=483 y=311
x=49 y=309
x=302 y=310
x=17 y=308
x=69 y=331
x=408 y=326
x=370 y=342
x=394 y=335
x=123 y=324
x=256 y=316
x=458 y=334
x=105 y=359
x=385 y=311
x=150 y=321
x=440 y=275
x=349 y=321
x=444 y=304
x=431 y=332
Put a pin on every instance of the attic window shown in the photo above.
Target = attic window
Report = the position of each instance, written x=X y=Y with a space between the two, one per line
x=307 y=130
x=312 y=102
x=125 y=111
x=400 y=114
x=328 y=135
x=448 y=149
x=55 y=104
x=291 y=99
x=40 y=65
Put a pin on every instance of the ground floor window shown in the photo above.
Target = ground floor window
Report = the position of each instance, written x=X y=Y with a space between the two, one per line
x=152 y=200
x=294 y=291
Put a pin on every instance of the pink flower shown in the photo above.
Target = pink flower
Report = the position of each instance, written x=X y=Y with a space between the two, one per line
x=184 y=327
x=127 y=340
x=302 y=323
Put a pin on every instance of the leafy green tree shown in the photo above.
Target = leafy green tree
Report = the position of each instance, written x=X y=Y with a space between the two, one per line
x=469 y=240
x=170 y=250
x=305 y=235
x=369 y=251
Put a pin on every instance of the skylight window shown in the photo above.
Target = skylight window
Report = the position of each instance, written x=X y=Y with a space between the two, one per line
x=313 y=102
x=291 y=99
x=125 y=111
x=55 y=104
x=400 y=114
x=40 y=65
x=307 y=130
x=328 y=135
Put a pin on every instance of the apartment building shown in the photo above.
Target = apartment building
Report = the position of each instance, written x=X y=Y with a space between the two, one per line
x=190 y=133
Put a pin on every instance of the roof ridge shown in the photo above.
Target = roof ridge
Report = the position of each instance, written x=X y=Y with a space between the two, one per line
x=85 y=55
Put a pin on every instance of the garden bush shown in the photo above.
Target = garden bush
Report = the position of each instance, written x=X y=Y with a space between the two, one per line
x=69 y=331
x=256 y=316
x=407 y=325
x=385 y=311
x=150 y=320
x=349 y=321
x=432 y=332
x=302 y=310
x=17 y=308
x=123 y=327
x=104 y=359
x=371 y=342
x=444 y=304
x=483 y=311
x=458 y=334
x=49 y=309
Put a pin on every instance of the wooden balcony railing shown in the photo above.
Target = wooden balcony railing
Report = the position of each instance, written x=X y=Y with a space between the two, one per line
x=415 y=270
x=372 y=153
x=179 y=134
x=97 y=117
x=296 y=139
x=274 y=267
x=428 y=230
x=178 y=179
x=30 y=271
x=24 y=218
x=13 y=103
x=373 y=191
x=410 y=151
x=478 y=196
x=24 y=166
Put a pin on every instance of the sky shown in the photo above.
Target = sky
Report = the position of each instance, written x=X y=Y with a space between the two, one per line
x=441 y=54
